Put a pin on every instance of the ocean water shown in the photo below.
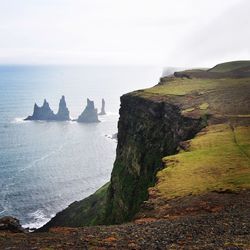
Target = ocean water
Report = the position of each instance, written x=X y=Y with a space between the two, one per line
x=45 y=166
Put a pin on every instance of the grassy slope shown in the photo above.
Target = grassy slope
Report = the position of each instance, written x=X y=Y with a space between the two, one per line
x=217 y=159
x=229 y=66
x=79 y=213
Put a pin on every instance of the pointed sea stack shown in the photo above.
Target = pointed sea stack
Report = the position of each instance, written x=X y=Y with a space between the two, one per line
x=89 y=114
x=103 y=108
x=63 y=112
x=43 y=113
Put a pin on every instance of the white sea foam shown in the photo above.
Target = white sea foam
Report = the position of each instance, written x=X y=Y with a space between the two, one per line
x=112 y=113
x=38 y=219
x=19 y=120
x=1 y=212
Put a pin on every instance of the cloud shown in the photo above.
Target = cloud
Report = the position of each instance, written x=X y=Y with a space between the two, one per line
x=158 y=32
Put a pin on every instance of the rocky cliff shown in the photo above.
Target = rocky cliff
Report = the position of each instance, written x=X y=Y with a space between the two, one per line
x=148 y=130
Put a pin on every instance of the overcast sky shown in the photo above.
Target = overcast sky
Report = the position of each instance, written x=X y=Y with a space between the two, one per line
x=154 y=32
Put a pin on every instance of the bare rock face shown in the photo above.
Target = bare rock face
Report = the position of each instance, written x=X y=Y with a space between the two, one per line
x=103 y=108
x=11 y=224
x=63 y=112
x=89 y=114
x=42 y=113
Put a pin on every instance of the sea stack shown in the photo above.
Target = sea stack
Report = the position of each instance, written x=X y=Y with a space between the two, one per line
x=42 y=113
x=89 y=114
x=103 y=108
x=63 y=112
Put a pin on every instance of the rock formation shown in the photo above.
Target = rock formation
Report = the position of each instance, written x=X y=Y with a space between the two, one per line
x=11 y=224
x=89 y=114
x=63 y=112
x=103 y=108
x=42 y=113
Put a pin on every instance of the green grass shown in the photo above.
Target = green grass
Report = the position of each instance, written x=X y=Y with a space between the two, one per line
x=229 y=66
x=218 y=159
x=181 y=87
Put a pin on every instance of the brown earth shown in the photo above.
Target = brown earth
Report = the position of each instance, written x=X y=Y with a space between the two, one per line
x=210 y=221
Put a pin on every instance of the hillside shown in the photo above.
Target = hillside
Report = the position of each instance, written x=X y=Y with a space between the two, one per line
x=229 y=66
x=182 y=169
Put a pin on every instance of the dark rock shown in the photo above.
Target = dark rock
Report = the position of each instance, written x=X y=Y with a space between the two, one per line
x=182 y=75
x=63 y=112
x=42 y=113
x=103 y=108
x=11 y=224
x=89 y=114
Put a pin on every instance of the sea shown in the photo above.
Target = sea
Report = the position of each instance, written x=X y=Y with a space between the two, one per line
x=45 y=166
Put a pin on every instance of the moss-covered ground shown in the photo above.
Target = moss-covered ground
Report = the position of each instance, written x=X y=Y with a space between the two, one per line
x=217 y=159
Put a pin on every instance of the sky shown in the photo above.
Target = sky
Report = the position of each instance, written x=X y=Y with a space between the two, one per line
x=124 y=32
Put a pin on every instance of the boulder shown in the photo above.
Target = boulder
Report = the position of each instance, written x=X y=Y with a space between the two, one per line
x=11 y=224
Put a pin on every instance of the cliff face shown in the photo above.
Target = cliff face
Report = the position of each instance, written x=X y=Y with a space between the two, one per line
x=148 y=130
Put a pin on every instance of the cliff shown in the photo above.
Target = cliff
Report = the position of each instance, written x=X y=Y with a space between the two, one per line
x=89 y=114
x=148 y=130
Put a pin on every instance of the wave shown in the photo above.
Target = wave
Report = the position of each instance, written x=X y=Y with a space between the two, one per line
x=19 y=120
x=1 y=212
x=38 y=219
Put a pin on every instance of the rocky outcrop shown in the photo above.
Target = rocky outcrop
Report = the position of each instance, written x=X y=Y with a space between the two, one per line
x=45 y=113
x=103 y=108
x=63 y=112
x=11 y=224
x=89 y=114
x=42 y=113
